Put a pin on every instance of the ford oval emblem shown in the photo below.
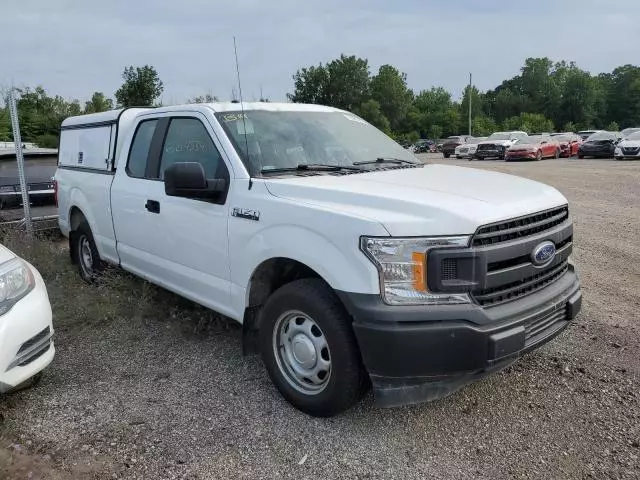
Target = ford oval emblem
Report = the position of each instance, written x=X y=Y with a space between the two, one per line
x=543 y=253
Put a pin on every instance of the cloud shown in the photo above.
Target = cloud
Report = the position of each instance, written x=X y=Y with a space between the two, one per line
x=75 y=47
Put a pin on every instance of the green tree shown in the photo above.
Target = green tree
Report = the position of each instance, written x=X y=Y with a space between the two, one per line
x=372 y=113
x=483 y=126
x=476 y=103
x=5 y=126
x=529 y=122
x=98 y=103
x=389 y=89
x=141 y=87
x=342 y=83
x=613 y=127
x=437 y=109
x=434 y=132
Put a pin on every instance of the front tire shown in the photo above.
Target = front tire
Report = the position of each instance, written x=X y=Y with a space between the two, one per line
x=538 y=156
x=85 y=253
x=557 y=153
x=446 y=155
x=309 y=348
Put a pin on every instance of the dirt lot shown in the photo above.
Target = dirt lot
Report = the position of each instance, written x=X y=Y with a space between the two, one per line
x=145 y=385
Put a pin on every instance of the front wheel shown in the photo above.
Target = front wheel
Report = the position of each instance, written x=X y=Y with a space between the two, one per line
x=580 y=156
x=309 y=348
x=446 y=155
x=538 y=156
x=557 y=153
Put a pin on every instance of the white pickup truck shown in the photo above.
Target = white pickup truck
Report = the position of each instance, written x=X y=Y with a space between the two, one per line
x=348 y=262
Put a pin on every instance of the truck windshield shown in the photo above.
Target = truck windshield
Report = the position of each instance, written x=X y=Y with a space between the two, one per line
x=268 y=140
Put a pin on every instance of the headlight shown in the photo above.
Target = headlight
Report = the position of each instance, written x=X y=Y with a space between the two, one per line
x=16 y=280
x=402 y=266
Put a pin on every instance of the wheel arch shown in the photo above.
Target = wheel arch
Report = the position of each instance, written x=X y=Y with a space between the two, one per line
x=267 y=277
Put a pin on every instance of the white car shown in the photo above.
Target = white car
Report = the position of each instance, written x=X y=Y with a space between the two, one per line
x=496 y=144
x=346 y=260
x=26 y=330
x=468 y=149
x=629 y=147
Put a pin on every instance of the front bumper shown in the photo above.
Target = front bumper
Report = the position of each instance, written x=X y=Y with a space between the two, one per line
x=599 y=152
x=490 y=153
x=26 y=338
x=520 y=156
x=421 y=353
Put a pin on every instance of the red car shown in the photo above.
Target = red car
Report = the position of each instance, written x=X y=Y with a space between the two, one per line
x=534 y=147
x=569 y=143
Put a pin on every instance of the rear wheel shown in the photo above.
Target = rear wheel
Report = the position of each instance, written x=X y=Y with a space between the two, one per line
x=446 y=155
x=309 y=348
x=85 y=253
x=557 y=153
x=581 y=156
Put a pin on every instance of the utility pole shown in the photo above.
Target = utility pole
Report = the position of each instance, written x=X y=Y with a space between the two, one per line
x=470 y=100
x=17 y=140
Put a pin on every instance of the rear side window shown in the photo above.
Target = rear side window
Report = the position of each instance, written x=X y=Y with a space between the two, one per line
x=187 y=140
x=139 y=152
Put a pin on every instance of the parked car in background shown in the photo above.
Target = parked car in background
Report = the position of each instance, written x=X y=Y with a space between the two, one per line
x=587 y=133
x=600 y=145
x=628 y=131
x=468 y=150
x=496 y=144
x=450 y=144
x=26 y=330
x=40 y=167
x=569 y=143
x=534 y=147
x=424 y=146
x=628 y=148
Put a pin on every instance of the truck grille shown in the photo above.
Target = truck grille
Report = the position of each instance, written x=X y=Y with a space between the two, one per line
x=486 y=146
x=520 y=227
x=526 y=286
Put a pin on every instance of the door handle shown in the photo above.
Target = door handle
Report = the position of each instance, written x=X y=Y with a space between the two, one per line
x=153 y=206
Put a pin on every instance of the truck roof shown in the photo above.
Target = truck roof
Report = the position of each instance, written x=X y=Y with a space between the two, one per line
x=112 y=116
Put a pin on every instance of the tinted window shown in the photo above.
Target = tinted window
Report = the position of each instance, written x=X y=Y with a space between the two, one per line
x=140 y=148
x=188 y=141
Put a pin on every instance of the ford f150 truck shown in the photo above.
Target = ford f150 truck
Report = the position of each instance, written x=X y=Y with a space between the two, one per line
x=348 y=262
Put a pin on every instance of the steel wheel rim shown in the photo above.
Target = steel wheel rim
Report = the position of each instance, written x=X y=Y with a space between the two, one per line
x=86 y=255
x=301 y=352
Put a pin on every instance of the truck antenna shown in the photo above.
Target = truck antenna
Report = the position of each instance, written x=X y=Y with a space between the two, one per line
x=244 y=124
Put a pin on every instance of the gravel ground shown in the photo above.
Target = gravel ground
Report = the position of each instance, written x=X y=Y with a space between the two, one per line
x=147 y=386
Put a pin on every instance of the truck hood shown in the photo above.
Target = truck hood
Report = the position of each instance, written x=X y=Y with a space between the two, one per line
x=432 y=200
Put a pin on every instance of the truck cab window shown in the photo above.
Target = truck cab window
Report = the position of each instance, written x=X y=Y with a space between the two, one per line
x=187 y=140
x=140 y=148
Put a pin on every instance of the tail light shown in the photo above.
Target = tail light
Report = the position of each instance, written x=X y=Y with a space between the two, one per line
x=55 y=191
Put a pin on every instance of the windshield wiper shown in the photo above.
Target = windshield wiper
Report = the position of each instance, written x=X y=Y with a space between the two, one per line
x=385 y=160
x=310 y=167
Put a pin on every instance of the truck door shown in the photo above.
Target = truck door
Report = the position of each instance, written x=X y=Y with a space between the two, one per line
x=178 y=243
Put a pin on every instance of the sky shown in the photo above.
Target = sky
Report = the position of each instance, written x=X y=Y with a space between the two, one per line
x=75 y=47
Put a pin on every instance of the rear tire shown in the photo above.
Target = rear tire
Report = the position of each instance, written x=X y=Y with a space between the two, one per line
x=580 y=156
x=557 y=153
x=446 y=155
x=309 y=348
x=85 y=253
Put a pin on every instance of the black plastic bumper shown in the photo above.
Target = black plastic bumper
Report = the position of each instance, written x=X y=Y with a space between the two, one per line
x=422 y=353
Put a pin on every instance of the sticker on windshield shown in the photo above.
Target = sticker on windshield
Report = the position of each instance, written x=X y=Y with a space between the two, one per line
x=353 y=118
x=245 y=127
x=232 y=117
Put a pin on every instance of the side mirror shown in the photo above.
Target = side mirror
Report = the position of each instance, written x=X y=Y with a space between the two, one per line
x=187 y=179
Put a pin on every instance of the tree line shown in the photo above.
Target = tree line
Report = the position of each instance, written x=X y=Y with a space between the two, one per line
x=544 y=96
